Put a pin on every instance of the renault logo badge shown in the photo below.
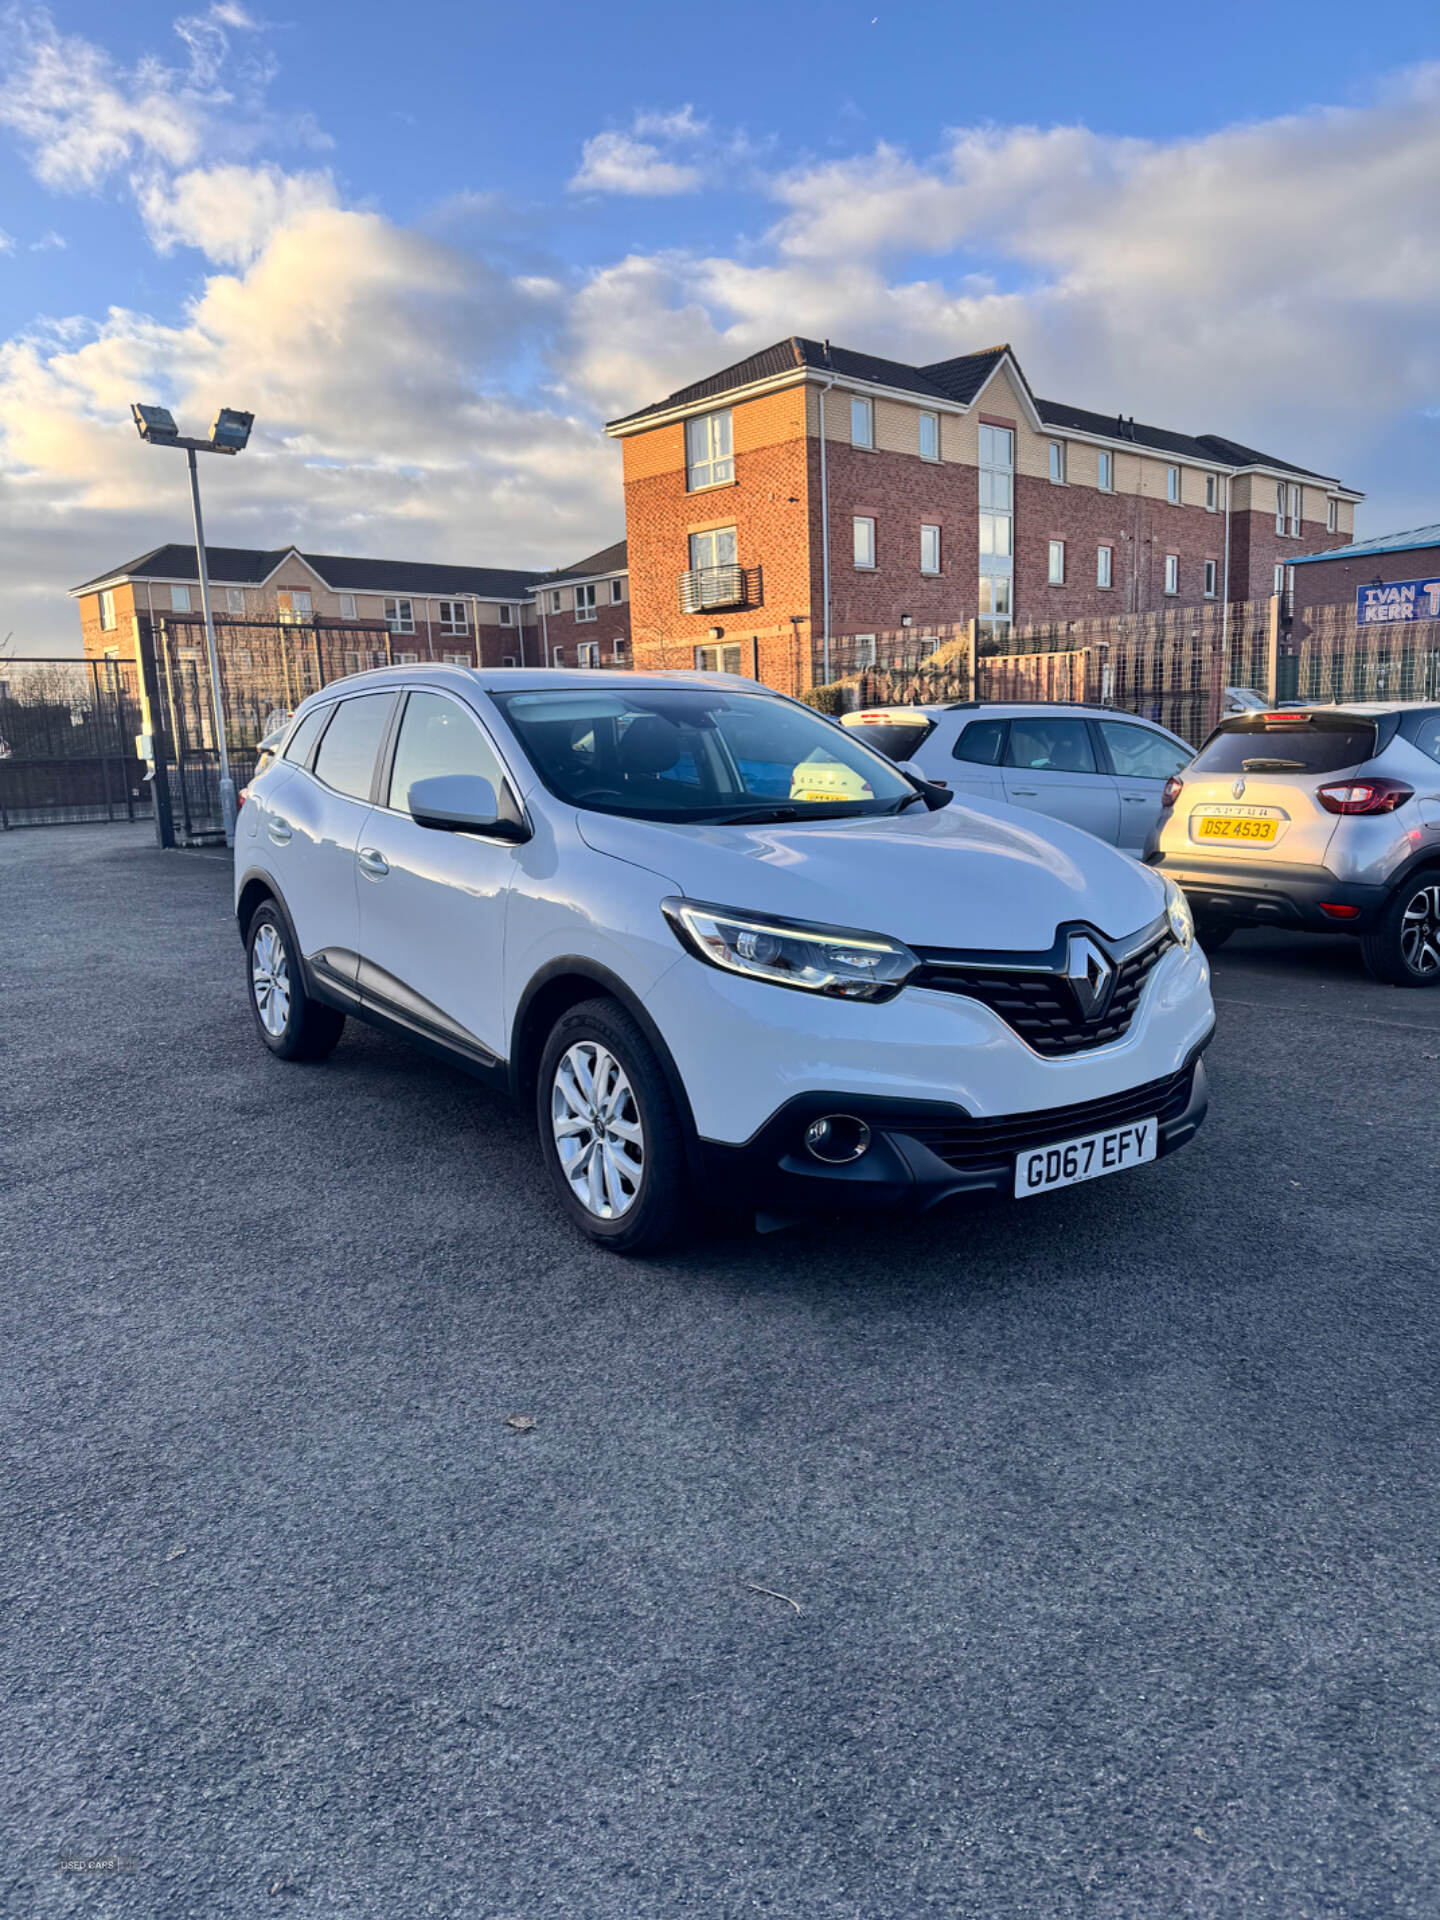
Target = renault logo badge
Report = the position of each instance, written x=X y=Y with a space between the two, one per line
x=1091 y=976
x=1239 y=787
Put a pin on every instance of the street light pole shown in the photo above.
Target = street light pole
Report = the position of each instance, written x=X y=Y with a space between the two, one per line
x=228 y=434
x=227 y=785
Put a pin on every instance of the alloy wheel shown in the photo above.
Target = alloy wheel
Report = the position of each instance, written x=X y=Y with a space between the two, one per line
x=1420 y=931
x=270 y=979
x=598 y=1133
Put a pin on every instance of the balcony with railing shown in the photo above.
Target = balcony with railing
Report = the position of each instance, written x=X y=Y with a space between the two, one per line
x=711 y=589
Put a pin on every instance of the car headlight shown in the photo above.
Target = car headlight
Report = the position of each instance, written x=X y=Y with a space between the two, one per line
x=1177 y=912
x=791 y=953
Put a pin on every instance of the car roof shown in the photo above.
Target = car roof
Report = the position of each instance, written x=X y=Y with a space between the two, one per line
x=539 y=679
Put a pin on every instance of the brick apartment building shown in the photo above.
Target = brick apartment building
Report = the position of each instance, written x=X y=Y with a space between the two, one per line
x=481 y=616
x=583 y=612
x=934 y=494
x=1355 y=579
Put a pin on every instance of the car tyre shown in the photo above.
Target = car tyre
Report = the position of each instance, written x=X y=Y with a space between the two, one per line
x=292 y=1024
x=1402 y=949
x=1212 y=933
x=612 y=1131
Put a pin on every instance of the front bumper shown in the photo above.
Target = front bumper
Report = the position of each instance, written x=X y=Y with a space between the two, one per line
x=1265 y=895
x=923 y=1153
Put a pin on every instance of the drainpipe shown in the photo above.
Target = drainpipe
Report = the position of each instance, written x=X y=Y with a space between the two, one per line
x=1225 y=611
x=544 y=632
x=825 y=533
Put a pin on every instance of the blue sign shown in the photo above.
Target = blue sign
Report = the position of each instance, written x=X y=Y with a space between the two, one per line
x=1397 y=600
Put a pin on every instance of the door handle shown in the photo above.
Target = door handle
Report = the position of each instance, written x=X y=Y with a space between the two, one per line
x=1029 y=792
x=373 y=863
x=1135 y=799
x=279 y=830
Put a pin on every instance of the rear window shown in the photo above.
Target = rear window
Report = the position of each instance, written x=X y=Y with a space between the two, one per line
x=895 y=739
x=1303 y=745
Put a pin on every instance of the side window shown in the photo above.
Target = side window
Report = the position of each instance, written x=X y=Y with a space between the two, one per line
x=1050 y=745
x=1427 y=735
x=438 y=736
x=982 y=743
x=301 y=743
x=1137 y=754
x=346 y=760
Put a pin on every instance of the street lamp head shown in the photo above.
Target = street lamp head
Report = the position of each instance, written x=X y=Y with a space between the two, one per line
x=231 y=430
x=155 y=423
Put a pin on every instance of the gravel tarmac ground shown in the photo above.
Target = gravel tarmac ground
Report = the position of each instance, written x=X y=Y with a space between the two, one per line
x=1111 y=1521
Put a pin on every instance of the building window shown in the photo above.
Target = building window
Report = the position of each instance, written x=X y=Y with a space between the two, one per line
x=862 y=423
x=1279 y=581
x=1332 y=516
x=709 y=460
x=235 y=600
x=929 y=436
x=456 y=659
x=619 y=649
x=454 y=617
x=864 y=541
x=1212 y=492
x=507 y=614
x=1172 y=485
x=508 y=661
x=1295 y=513
x=1104 y=566
x=589 y=653
x=929 y=549
x=862 y=651
x=400 y=616
x=557 y=656
x=347 y=606
x=107 y=611
x=996 y=478
x=585 y=602
x=718 y=659
x=617 y=592
x=1172 y=573
x=714 y=548
x=1211 y=573
x=555 y=599
x=1105 y=471
x=1057 y=462
x=1279 y=509
x=401 y=659
x=1057 y=563
x=293 y=607
x=180 y=600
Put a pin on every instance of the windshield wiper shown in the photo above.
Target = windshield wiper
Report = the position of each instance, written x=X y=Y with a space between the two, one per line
x=910 y=800
x=737 y=816
x=1272 y=766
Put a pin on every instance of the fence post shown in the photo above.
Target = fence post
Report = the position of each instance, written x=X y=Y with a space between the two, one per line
x=972 y=636
x=152 y=714
x=1272 y=651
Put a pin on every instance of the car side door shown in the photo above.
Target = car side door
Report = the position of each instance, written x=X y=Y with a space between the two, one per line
x=1051 y=767
x=1142 y=759
x=312 y=829
x=433 y=904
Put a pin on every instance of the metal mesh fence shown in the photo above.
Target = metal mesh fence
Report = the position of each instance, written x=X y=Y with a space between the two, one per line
x=1337 y=659
x=67 y=742
x=903 y=666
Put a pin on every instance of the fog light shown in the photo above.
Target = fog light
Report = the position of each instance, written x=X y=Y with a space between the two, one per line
x=837 y=1139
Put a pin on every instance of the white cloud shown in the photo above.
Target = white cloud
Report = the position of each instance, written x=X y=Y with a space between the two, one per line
x=49 y=242
x=7 y=241
x=621 y=163
x=229 y=212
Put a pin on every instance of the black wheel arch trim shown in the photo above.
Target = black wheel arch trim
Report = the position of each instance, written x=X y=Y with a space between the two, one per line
x=606 y=982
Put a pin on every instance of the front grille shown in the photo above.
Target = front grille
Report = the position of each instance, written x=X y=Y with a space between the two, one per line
x=980 y=1146
x=1041 y=1008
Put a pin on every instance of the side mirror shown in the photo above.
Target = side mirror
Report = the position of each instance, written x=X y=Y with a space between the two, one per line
x=936 y=793
x=454 y=803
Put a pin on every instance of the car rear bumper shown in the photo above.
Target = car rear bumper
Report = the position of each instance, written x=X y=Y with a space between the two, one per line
x=1266 y=895
x=924 y=1152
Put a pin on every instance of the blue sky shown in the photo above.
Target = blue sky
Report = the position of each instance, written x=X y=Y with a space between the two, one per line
x=434 y=260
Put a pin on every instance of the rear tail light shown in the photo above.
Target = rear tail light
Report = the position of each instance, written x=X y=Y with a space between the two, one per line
x=1170 y=793
x=1364 y=796
x=1338 y=912
x=241 y=798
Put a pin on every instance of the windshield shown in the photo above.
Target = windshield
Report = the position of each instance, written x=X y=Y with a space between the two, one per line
x=1286 y=745
x=671 y=753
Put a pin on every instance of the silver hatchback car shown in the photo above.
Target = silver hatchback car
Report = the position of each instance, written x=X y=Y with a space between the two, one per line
x=1096 y=767
x=1326 y=818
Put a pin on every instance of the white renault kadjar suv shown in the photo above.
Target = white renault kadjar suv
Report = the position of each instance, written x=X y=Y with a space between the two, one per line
x=723 y=951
